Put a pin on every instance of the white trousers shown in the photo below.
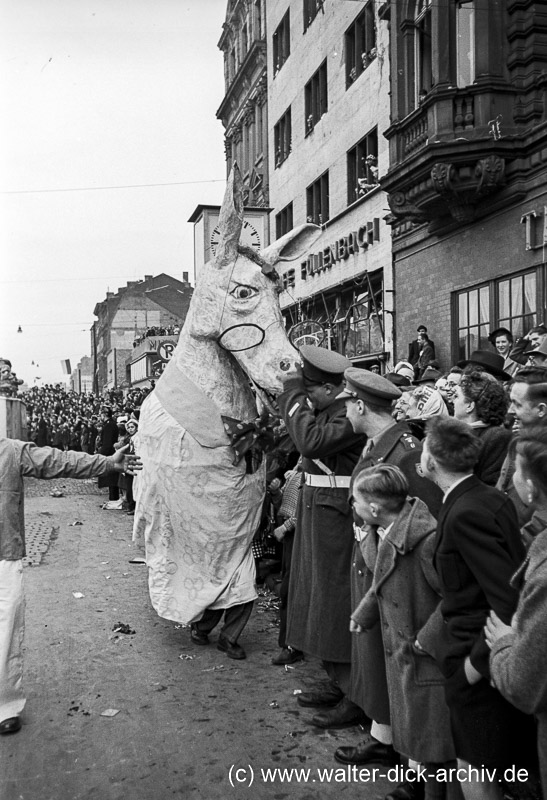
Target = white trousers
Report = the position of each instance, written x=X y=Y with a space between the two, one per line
x=12 y=630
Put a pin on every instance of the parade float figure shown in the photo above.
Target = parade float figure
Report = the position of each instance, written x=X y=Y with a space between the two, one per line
x=196 y=508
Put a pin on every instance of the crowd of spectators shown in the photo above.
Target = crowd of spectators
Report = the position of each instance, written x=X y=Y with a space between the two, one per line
x=169 y=330
x=445 y=587
x=70 y=420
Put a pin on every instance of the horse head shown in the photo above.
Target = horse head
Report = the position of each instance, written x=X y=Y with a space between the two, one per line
x=236 y=300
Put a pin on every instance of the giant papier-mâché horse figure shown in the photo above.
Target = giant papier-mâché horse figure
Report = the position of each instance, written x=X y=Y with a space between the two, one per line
x=197 y=510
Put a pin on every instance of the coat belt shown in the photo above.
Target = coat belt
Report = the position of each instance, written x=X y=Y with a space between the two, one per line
x=328 y=481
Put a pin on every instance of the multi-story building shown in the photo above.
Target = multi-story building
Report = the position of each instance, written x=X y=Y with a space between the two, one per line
x=243 y=110
x=81 y=378
x=328 y=105
x=467 y=177
x=119 y=339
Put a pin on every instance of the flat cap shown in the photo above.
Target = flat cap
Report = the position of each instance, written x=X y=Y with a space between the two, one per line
x=365 y=385
x=321 y=365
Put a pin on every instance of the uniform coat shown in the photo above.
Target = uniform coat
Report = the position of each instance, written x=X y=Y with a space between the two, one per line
x=319 y=590
x=394 y=446
x=405 y=597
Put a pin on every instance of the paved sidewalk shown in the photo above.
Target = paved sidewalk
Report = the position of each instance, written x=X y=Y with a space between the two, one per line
x=185 y=715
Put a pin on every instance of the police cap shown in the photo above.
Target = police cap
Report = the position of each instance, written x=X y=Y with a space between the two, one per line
x=322 y=366
x=365 y=385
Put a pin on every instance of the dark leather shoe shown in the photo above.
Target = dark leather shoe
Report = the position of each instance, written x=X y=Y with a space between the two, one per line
x=327 y=697
x=232 y=650
x=407 y=791
x=370 y=752
x=197 y=636
x=342 y=715
x=287 y=655
x=11 y=725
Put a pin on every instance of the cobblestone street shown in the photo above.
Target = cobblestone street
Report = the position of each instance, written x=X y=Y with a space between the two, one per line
x=114 y=716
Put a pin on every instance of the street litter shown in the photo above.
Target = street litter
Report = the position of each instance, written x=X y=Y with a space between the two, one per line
x=110 y=712
x=56 y=493
x=186 y=657
x=76 y=522
x=121 y=627
x=287 y=668
x=212 y=669
x=136 y=559
x=78 y=595
x=297 y=691
x=274 y=704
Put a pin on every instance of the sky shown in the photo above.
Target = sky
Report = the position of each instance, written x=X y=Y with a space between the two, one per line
x=96 y=95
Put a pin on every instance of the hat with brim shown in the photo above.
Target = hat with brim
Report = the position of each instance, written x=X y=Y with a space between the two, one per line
x=499 y=332
x=396 y=379
x=541 y=349
x=320 y=365
x=429 y=374
x=361 y=384
x=489 y=361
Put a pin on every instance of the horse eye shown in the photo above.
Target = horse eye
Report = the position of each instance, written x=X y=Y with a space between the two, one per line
x=243 y=292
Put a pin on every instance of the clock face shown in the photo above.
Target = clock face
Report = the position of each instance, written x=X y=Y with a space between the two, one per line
x=249 y=236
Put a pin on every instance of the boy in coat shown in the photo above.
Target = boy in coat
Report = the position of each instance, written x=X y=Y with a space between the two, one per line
x=404 y=598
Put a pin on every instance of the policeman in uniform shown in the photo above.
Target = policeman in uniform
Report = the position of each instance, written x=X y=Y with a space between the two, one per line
x=319 y=601
x=369 y=400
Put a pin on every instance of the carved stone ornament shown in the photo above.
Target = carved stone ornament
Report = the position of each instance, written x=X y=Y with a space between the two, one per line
x=401 y=209
x=452 y=188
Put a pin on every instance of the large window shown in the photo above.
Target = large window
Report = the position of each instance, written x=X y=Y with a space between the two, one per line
x=513 y=302
x=315 y=98
x=465 y=42
x=360 y=44
x=282 y=138
x=317 y=200
x=422 y=51
x=363 y=167
x=284 y=221
x=281 y=43
x=310 y=8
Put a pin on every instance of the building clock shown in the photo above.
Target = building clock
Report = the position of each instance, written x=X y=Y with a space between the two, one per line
x=249 y=236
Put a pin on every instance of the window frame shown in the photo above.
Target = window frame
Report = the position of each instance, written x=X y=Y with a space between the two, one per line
x=282 y=138
x=284 y=220
x=316 y=98
x=357 y=168
x=362 y=32
x=517 y=323
x=317 y=200
x=281 y=42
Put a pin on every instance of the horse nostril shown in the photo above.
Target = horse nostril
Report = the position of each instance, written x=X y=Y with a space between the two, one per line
x=285 y=365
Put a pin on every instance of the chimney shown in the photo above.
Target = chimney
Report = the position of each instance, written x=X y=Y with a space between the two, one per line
x=185 y=277
x=148 y=277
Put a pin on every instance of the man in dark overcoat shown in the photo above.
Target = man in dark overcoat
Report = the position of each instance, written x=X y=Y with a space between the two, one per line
x=478 y=548
x=369 y=399
x=319 y=601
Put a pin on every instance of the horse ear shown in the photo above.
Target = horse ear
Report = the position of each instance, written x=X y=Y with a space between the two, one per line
x=230 y=221
x=292 y=245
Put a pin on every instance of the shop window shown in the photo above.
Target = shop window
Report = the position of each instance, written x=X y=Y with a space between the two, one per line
x=422 y=51
x=363 y=327
x=317 y=200
x=465 y=43
x=282 y=138
x=281 y=43
x=512 y=302
x=315 y=98
x=360 y=44
x=284 y=221
x=363 y=167
x=311 y=9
